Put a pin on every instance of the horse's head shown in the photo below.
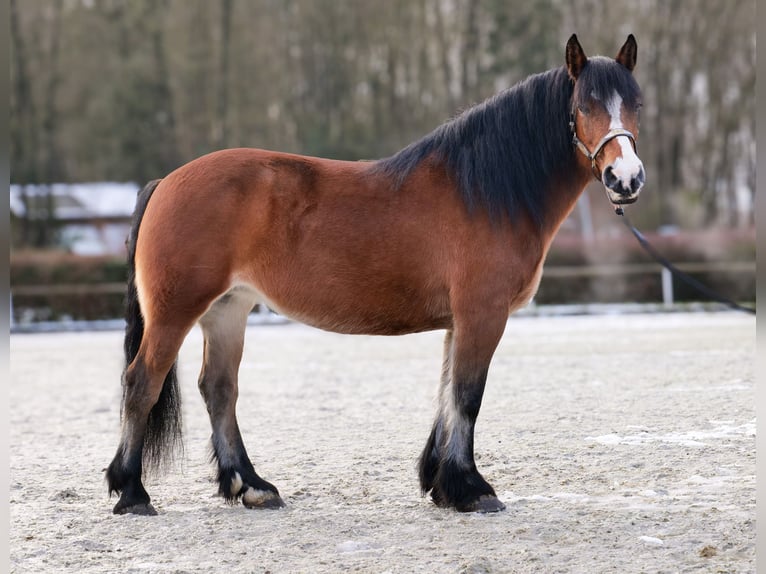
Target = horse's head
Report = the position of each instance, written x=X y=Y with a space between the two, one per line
x=604 y=118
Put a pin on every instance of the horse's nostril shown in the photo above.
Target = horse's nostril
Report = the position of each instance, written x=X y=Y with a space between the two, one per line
x=637 y=182
x=608 y=176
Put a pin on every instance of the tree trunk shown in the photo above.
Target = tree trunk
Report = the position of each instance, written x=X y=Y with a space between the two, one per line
x=221 y=135
x=444 y=63
x=46 y=229
x=167 y=126
x=470 y=51
x=22 y=125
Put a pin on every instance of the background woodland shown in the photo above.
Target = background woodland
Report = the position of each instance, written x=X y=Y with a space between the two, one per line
x=127 y=90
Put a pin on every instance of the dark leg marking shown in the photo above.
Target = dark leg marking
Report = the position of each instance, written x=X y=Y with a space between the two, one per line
x=146 y=391
x=124 y=477
x=447 y=468
x=224 y=330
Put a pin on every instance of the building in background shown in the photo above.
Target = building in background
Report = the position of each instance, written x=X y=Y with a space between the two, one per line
x=90 y=218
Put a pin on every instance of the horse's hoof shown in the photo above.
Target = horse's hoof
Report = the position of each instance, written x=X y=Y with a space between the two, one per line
x=484 y=505
x=253 y=498
x=145 y=509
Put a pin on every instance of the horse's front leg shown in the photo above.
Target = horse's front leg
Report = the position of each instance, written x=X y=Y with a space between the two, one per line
x=447 y=467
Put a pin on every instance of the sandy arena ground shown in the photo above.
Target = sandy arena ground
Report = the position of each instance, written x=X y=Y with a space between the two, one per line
x=619 y=444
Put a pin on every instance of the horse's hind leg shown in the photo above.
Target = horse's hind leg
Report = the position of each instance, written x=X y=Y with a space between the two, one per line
x=150 y=423
x=223 y=327
x=447 y=466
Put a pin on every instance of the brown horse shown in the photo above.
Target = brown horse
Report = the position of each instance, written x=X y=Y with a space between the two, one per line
x=450 y=233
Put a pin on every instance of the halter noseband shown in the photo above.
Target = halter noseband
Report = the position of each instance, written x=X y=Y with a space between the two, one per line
x=610 y=135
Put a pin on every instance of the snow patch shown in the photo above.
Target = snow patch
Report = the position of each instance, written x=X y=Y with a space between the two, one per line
x=572 y=497
x=648 y=493
x=354 y=546
x=651 y=540
x=736 y=385
x=689 y=438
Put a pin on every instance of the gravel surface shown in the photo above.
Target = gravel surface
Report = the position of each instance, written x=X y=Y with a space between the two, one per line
x=620 y=443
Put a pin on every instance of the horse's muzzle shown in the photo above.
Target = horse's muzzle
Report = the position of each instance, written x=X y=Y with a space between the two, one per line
x=623 y=190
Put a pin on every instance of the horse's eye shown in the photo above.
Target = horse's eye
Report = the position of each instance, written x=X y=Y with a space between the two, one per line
x=584 y=109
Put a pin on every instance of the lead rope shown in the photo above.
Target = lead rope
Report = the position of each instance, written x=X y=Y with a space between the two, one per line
x=689 y=280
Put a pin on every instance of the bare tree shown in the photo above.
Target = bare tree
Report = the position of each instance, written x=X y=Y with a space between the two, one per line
x=23 y=119
x=220 y=135
x=45 y=234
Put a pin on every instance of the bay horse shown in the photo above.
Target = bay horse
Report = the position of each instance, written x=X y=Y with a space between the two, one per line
x=449 y=233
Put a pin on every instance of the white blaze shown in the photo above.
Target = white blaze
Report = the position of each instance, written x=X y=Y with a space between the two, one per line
x=626 y=167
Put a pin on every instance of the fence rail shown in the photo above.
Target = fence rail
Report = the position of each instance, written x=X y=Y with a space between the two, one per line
x=69 y=289
x=666 y=277
x=637 y=268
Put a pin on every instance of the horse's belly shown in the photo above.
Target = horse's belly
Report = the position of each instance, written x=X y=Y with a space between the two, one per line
x=362 y=312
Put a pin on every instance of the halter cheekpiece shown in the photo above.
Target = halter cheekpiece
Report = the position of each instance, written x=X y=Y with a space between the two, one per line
x=592 y=156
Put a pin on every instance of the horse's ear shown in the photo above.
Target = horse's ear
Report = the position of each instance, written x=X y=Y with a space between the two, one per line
x=628 y=52
x=576 y=57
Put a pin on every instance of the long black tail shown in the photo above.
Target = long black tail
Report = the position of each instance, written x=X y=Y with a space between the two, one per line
x=163 y=437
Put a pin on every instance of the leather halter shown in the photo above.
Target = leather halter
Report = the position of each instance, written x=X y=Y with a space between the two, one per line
x=592 y=156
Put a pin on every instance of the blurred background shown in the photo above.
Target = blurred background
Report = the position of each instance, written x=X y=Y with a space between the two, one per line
x=108 y=94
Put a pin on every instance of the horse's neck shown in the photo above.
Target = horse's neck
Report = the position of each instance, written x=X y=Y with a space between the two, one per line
x=564 y=191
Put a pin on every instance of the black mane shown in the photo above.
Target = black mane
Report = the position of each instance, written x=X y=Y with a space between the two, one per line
x=504 y=151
